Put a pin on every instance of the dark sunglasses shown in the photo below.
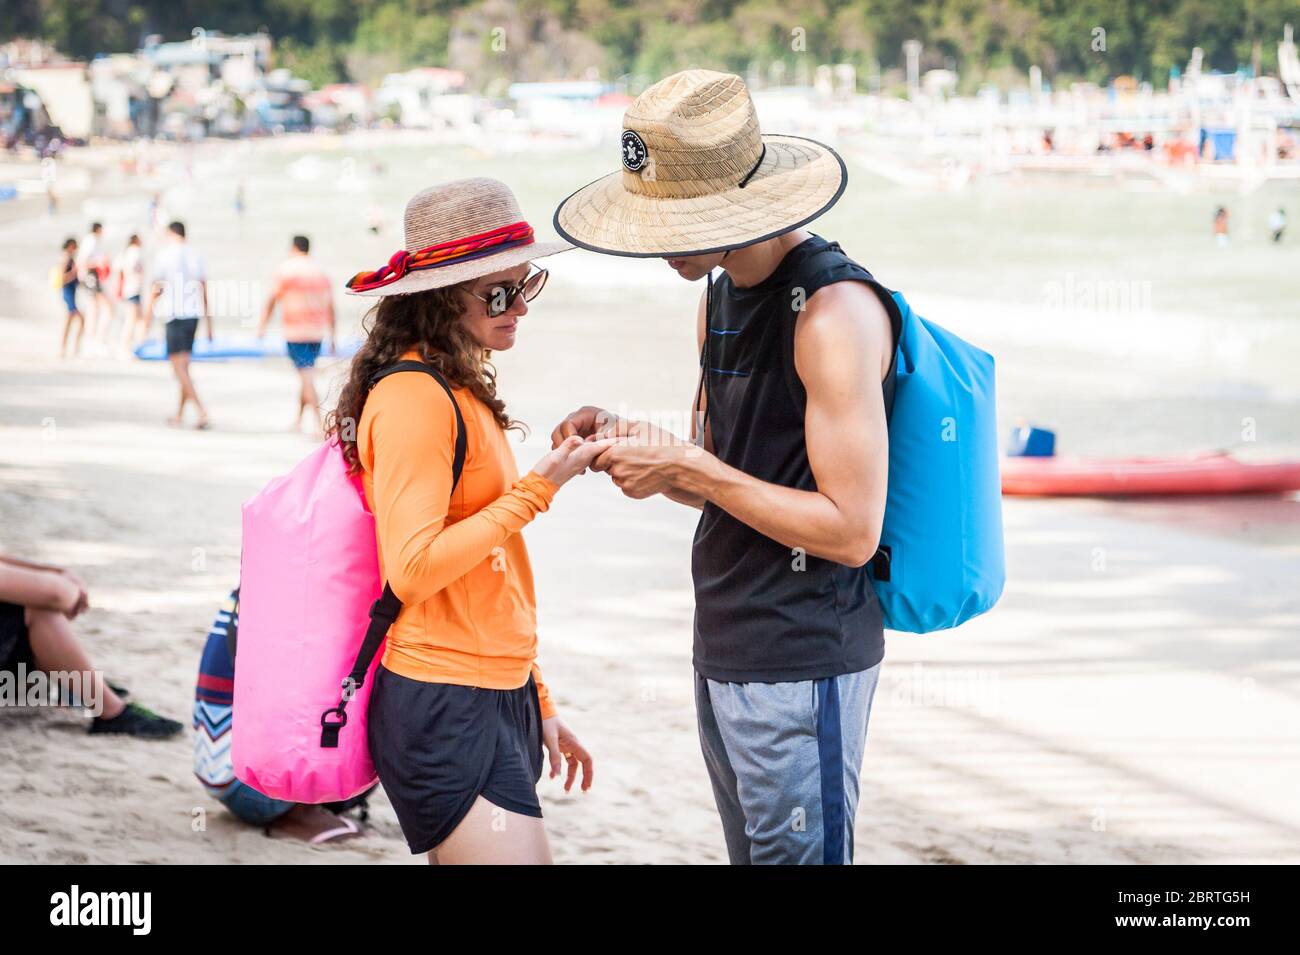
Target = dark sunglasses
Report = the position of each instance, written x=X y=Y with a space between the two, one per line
x=499 y=298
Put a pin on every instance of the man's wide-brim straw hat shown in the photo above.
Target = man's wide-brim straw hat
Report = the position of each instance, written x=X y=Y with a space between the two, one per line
x=699 y=176
x=456 y=232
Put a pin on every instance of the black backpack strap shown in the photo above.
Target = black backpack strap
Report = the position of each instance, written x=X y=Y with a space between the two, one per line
x=458 y=461
x=827 y=266
x=702 y=390
x=384 y=611
x=232 y=629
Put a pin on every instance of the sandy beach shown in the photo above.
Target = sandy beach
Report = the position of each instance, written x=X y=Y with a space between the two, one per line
x=1134 y=698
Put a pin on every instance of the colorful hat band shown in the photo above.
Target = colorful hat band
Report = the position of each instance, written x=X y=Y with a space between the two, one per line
x=445 y=253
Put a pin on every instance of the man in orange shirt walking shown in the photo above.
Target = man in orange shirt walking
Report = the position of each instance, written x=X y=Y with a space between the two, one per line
x=307 y=311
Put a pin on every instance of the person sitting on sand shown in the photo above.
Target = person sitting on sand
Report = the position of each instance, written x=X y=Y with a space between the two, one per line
x=302 y=290
x=68 y=284
x=37 y=606
x=178 y=294
x=213 y=720
x=789 y=455
x=459 y=714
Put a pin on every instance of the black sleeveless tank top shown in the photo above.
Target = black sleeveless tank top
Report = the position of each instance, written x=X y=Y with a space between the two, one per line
x=762 y=613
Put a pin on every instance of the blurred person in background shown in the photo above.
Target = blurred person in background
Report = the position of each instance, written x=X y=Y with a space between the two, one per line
x=302 y=290
x=1221 y=216
x=92 y=266
x=178 y=295
x=1277 y=225
x=130 y=289
x=65 y=275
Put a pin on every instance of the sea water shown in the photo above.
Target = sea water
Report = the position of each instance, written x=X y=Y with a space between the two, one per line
x=1114 y=317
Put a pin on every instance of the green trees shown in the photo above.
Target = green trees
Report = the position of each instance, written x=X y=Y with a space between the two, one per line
x=325 y=40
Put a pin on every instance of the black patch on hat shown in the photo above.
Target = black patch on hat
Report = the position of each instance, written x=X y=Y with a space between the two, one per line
x=634 y=151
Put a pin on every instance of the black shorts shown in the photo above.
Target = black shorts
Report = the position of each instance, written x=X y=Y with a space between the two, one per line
x=438 y=747
x=180 y=335
x=15 y=646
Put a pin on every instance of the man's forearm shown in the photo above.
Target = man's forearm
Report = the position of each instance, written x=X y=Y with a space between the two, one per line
x=265 y=320
x=685 y=497
x=806 y=519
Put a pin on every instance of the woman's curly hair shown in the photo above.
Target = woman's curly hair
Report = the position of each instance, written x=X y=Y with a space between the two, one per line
x=428 y=322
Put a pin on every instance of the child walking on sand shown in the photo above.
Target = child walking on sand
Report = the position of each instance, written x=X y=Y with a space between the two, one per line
x=67 y=271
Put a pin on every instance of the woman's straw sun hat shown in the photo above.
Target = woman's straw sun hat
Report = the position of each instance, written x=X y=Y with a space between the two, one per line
x=456 y=232
x=699 y=176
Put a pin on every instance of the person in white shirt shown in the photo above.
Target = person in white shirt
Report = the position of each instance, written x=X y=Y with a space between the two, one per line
x=1277 y=224
x=178 y=295
x=130 y=269
x=91 y=271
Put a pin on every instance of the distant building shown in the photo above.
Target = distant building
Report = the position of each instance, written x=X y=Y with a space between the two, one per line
x=238 y=61
x=64 y=90
x=340 y=104
x=426 y=97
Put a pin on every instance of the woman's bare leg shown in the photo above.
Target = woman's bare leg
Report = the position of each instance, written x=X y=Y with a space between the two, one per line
x=107 y=315
x=490 y=835
x=131 y=325
x=67 y=330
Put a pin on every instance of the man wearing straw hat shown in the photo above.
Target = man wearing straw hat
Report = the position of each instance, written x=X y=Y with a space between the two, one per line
x=789 y=454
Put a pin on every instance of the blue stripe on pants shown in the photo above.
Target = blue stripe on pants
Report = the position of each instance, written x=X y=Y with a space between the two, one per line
x=830 y=752
x=784 y=761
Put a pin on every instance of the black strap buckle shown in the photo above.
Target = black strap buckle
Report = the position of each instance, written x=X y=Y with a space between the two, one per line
x=329 y=729
x=378 y=609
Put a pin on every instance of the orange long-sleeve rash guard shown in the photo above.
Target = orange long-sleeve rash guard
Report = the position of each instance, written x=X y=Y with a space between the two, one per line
x=457 y=561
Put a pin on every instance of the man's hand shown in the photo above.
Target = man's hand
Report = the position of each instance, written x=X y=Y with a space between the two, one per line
x=583 y=423
x=643 y=470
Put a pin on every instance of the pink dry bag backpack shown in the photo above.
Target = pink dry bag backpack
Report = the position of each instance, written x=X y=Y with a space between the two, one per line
x=313 y=615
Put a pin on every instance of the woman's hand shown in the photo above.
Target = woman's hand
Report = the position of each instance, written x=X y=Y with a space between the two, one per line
x=583 y=423
x=560 y=742
x=571 y=457
x=639 y=434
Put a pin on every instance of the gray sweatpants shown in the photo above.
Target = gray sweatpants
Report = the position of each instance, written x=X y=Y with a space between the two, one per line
x=784 y=760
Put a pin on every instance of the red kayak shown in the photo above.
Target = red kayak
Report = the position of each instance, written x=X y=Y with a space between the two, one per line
x=1121 y=477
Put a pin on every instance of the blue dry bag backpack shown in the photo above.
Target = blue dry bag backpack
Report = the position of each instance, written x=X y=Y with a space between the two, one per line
x=940 y=560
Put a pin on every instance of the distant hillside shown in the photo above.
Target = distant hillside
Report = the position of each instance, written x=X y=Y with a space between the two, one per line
x=495 y=41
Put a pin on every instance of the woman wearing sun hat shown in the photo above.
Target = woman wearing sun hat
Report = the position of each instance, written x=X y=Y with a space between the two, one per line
x=792 y=478
x=459 y=714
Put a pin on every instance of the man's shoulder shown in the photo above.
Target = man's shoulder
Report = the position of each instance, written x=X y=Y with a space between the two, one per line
x=844 y=316
x=847 y=301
